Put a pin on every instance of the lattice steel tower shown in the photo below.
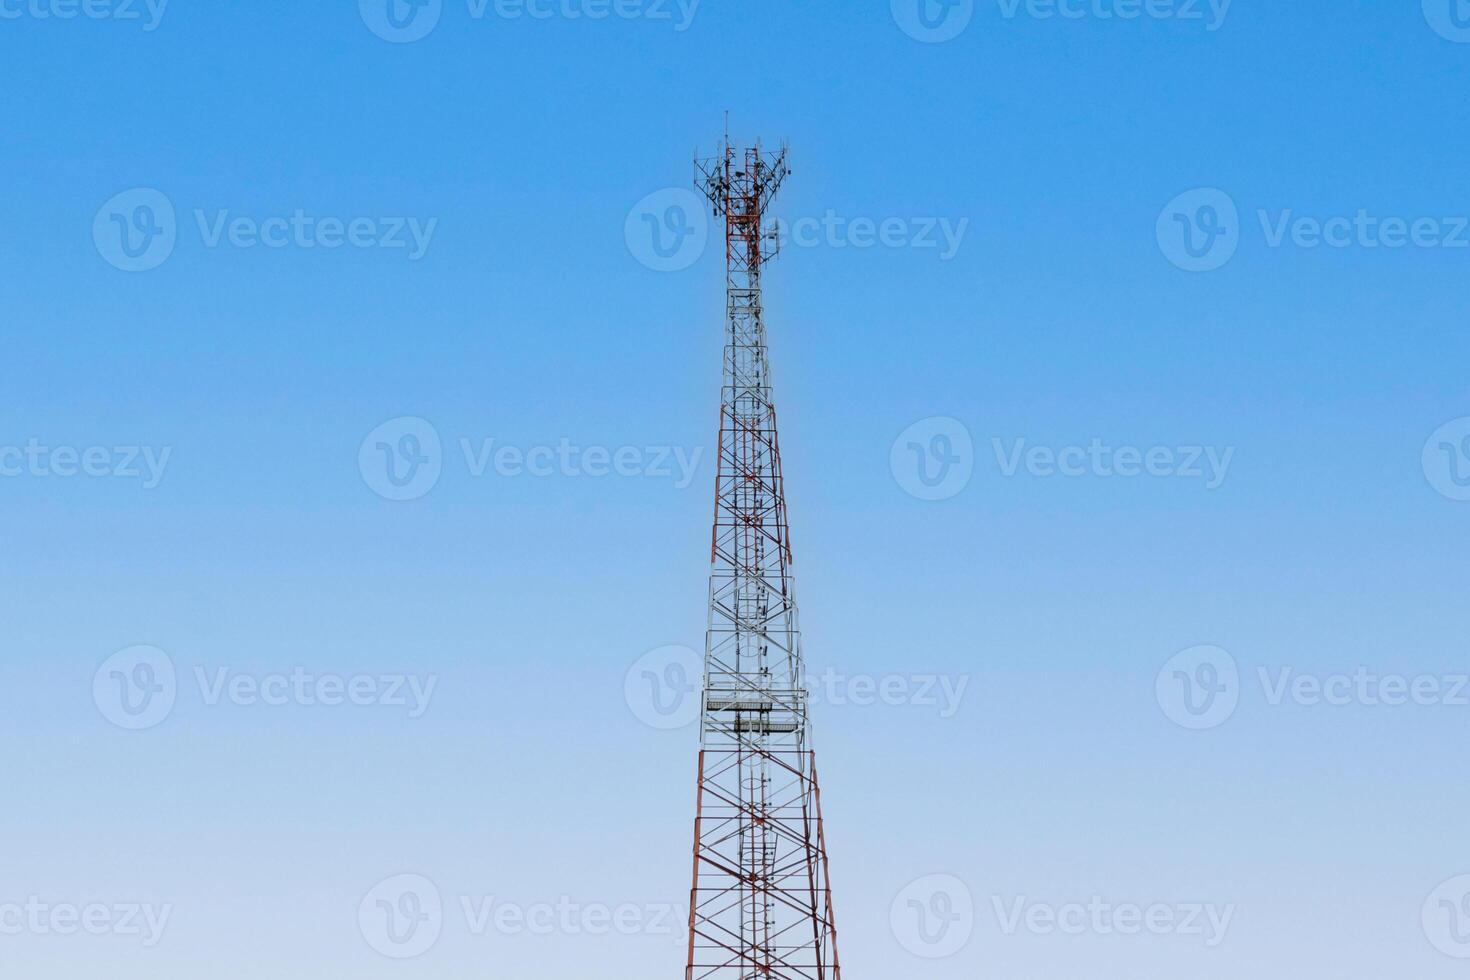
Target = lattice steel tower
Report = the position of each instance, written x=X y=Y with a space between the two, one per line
x=761 y=903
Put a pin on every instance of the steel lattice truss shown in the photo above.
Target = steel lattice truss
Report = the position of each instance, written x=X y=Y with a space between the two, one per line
x=760 y=907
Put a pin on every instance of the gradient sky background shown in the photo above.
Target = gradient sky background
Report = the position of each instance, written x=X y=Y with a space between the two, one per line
x=529 y=321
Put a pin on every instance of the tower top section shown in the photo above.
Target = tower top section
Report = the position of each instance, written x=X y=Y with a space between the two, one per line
x=741 y=183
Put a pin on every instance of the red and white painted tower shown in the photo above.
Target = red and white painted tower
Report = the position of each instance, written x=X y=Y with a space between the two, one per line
x=761 y=902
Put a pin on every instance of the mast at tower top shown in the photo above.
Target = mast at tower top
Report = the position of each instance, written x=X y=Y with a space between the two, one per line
x=740 y=185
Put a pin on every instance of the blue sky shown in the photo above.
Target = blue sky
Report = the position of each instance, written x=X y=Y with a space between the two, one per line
x=235 y=395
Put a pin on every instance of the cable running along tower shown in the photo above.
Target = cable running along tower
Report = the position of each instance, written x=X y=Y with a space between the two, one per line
x=761 y=903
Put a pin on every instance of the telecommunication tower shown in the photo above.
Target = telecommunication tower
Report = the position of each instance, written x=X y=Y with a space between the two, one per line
x=761 y=903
